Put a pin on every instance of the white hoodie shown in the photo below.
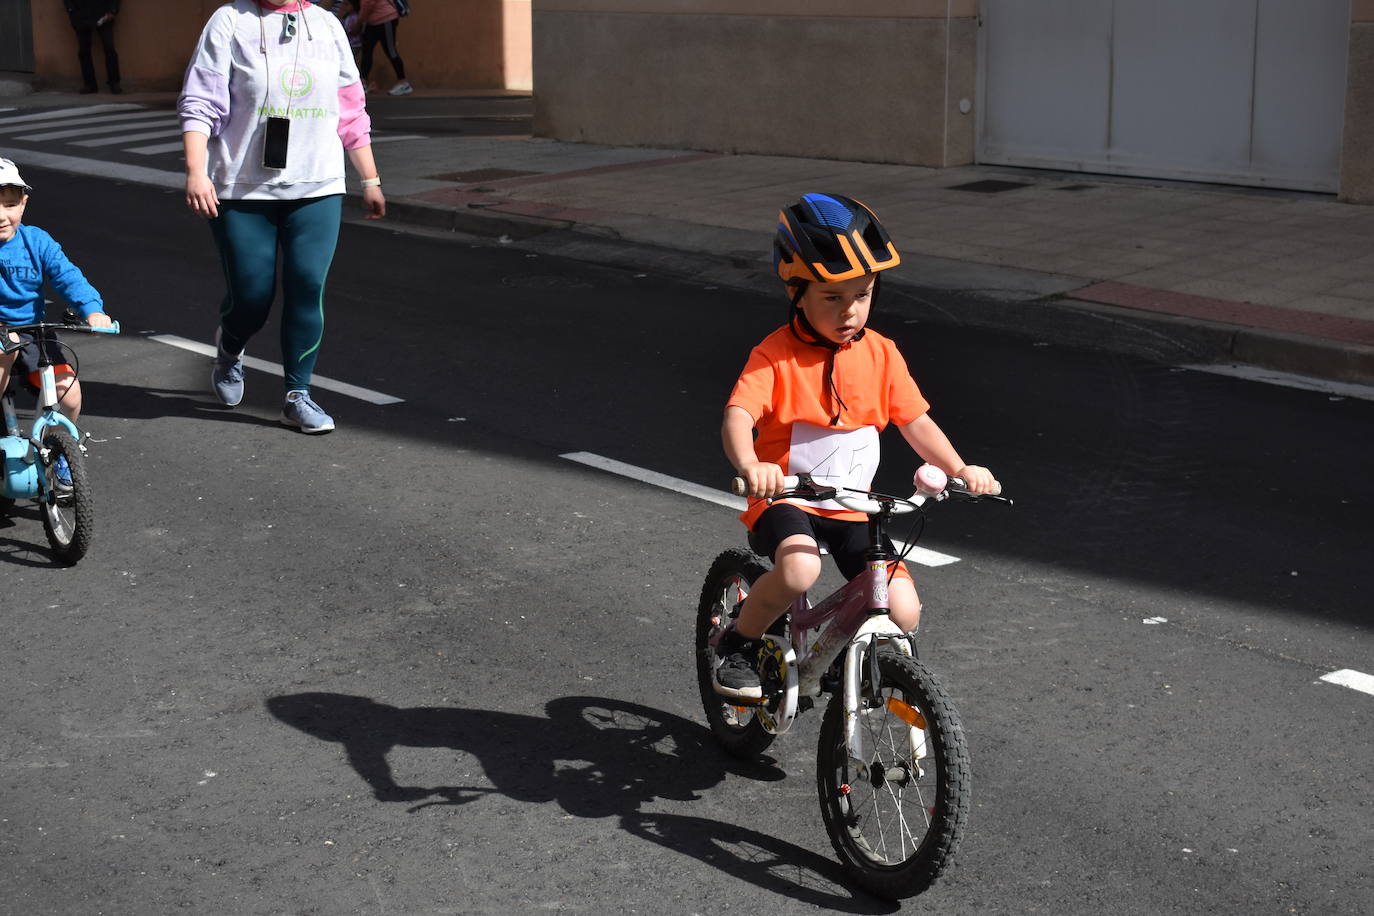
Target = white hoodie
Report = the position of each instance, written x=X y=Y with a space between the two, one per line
x=232 y=87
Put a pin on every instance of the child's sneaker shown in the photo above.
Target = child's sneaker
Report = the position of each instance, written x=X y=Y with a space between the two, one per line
x=304 y=414
x=226 y=375
x=737 y=676
x=401 y=88
x=63 y=472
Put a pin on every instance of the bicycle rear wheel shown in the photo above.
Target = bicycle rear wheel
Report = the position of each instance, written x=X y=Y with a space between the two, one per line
x=68 y=512
x=731 y=576
x=895 y=818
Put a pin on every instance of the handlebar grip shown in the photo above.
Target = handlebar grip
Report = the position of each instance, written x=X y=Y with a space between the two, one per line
x=740 y=487
x=958 y=483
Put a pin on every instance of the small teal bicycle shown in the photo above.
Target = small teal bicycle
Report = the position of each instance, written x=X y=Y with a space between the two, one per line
x=48 y=466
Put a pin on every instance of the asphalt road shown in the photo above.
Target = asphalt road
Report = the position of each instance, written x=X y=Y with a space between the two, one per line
x=424 y=665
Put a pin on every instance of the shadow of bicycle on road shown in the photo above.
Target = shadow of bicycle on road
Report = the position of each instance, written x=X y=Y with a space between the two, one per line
x=596 y=758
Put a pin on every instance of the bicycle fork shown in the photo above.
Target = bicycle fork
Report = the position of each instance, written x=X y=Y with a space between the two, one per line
x=860 y=665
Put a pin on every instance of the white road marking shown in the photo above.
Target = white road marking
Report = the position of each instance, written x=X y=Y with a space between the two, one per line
x=124 y=122
x=1355 y=680
x=75 y=120
x=98 y=168
x=685 y=487
x=393 y=139
x=156 y=148
x=68 y=113
x=920 y=555
x=131 y=138
x=1289 y=380
x=262 y=365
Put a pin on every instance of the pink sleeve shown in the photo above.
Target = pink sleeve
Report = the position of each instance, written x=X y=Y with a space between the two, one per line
x=355 y=127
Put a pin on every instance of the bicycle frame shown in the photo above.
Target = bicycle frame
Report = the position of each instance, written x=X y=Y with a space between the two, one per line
x=21 y=478
x=853 y=617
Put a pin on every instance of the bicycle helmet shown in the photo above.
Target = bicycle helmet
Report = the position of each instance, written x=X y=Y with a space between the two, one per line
x=828 y=238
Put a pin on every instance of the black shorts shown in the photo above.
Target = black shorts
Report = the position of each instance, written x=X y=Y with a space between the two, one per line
x=25 y=370
x=846 y=541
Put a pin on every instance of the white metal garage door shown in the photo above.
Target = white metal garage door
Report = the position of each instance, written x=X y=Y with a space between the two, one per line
x=1239 y=91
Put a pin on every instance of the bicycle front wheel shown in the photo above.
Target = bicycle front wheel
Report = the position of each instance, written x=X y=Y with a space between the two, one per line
x=731 y=577
x=68 y=511
x=895 y=817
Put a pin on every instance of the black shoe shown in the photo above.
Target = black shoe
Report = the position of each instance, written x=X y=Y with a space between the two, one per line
x=737 y=676
x=88 y=90
x=116 y=89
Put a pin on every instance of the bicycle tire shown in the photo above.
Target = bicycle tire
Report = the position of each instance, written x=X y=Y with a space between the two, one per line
x=895 y=832
x=736 y=728
x=68 y=516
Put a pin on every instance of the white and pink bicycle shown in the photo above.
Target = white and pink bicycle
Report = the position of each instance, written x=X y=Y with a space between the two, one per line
x=892 y=765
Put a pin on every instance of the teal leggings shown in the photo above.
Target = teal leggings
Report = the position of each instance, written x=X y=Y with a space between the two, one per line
x=249 y=234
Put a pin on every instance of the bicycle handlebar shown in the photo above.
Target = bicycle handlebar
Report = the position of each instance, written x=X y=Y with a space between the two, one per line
x=8 y=346
x=935 y=486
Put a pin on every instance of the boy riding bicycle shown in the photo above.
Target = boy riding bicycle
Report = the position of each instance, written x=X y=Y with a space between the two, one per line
x=812 y=398
x=28 y=258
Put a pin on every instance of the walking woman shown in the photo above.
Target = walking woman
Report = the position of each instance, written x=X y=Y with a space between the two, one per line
x=271 y=104
x=380 y=19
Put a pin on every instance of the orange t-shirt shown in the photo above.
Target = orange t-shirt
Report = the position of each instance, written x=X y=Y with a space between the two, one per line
x=804 y=427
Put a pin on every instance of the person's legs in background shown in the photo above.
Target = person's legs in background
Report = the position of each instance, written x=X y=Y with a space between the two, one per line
x=111 y=56
x=371 y=35
x=83 y=57
x=393 y=54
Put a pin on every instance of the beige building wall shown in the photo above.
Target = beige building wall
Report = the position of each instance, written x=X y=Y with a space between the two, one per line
x=886 y=78
x=872 y=80
x=446 y=44
x=1357 y=143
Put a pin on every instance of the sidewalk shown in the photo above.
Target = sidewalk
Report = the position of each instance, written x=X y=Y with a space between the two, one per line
x=1193 y=273
x=1184 y=273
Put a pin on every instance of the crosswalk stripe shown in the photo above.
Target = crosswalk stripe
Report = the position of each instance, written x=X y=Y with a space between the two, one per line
x=131 y=138
x=7 y=128
x=69 y=113
x=98 y=168
x=137 y=121
x=156 y=148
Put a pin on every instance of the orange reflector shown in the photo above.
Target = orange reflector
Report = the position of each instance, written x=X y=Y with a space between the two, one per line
x=906 y=712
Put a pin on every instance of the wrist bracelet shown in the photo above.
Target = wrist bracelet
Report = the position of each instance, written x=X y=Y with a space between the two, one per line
x=372 y=182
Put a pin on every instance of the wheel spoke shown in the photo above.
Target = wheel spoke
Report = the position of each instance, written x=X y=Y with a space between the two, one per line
x=876 y=829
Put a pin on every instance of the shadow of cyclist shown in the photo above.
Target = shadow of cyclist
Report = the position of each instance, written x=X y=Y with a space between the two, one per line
x=595 y=757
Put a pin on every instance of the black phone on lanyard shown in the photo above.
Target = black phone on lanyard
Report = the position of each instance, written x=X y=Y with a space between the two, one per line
x=274 y=143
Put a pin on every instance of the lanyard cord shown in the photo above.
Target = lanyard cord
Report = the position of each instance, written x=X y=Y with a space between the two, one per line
x=295 y=63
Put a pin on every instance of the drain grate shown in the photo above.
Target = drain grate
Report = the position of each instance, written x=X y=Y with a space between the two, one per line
x=990 y=186
x=482 y=175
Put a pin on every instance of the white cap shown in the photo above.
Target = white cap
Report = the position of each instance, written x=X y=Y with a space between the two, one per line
x=9 y=175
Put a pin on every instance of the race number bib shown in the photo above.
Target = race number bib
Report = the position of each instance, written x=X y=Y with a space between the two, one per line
x=838 y=458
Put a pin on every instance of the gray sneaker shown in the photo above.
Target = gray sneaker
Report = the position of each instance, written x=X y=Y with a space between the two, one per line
x=304 y=414
x=226 y=375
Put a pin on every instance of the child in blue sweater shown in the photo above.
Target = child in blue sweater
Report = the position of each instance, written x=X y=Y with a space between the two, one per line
x=28 y=258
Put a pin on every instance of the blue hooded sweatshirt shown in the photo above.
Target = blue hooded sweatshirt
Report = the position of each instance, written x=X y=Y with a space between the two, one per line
x=26 y=261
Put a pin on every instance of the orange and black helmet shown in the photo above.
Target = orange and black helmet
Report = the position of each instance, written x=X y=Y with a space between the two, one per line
x=826 y=238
